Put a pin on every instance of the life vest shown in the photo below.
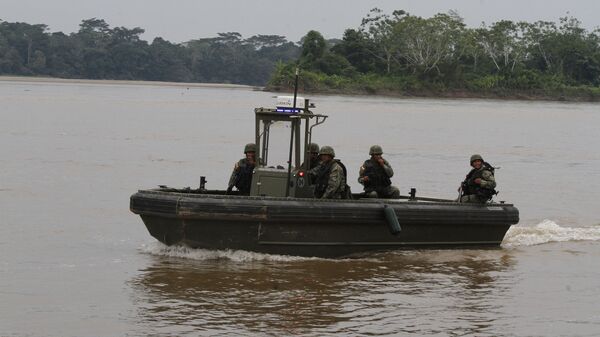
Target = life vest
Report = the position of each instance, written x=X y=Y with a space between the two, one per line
x=322 y=180
x=378 y=179
x=244 y=177
x=469 y=186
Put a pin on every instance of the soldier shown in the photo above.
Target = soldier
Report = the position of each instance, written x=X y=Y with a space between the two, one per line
x=480 y=182
x=241 y=177
x=329 y=176
x=375 y=175
x=313 y=149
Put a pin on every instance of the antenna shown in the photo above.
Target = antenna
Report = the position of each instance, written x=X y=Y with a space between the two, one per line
x=293 y=129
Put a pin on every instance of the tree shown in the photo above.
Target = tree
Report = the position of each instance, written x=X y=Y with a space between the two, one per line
x=167 y=62
x=25 y=40
x=64 y=56
x=424 y=43
x=356 y=48
x=505 y=43
x=127 y=52
x=380 y=28
x=266 y=41
x=469 y=47
x=540 y=37
x=577 y=52
x=94 y=36
x=313 y=48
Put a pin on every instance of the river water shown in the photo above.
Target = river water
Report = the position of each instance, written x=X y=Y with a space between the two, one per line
x=75 y=262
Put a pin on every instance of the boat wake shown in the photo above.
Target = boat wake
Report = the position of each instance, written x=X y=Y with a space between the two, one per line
x=159 y=249
x=548 y=231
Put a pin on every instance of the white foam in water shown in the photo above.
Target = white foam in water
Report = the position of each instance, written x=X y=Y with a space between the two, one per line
x=548 y=231
x=157 y=248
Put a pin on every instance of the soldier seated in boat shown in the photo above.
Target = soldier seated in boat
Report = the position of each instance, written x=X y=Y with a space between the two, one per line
x=479 y=184
x=329 y=176
x=313 y=150
x=241 y=177
x=375 y=174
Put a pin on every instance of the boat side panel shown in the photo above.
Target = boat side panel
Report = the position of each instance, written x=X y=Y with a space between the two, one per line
x=316 y=239
x=167 y=230
x=317 y=228
x=379 y=234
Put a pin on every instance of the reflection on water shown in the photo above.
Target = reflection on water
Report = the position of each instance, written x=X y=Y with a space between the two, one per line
x=382 y=294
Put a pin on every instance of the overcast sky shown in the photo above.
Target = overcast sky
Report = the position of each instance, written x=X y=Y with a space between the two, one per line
x=183 y=20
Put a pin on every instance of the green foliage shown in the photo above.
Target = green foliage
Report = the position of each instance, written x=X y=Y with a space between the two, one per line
x=282 y=77
x=357 y=49
x=98 y=51
x=486 y=82
x=400 y=53
x=526 y=79
x=313 y=48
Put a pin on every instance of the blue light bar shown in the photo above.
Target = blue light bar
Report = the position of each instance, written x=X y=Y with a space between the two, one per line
x=289 y=110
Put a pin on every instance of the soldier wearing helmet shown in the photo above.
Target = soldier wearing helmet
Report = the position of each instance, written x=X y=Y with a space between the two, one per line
x=375 y=174
x=479 y=184
x=329 y=176
x=241 y=177
x=313 y=151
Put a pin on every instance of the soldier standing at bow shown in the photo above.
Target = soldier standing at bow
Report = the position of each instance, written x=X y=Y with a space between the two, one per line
x=241 y=177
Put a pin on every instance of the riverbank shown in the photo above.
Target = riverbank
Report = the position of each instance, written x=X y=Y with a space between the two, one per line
x=36 y=79
x=538 y=87
x=567 y=94
x=563 y=94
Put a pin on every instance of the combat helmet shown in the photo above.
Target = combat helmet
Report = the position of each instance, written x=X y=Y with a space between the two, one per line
x=476 y=157
x=327 y=150
x=375 y=149
x=313 y=148
x=250 y=147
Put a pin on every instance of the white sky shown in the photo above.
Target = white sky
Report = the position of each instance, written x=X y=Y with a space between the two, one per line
x=183 y=20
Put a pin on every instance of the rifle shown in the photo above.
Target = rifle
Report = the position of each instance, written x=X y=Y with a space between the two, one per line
x=234 y=180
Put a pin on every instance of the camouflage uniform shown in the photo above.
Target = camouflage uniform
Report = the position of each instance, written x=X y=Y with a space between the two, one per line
x=330 y=180
x=330 y=177
x=379 y=184
x=482 y=192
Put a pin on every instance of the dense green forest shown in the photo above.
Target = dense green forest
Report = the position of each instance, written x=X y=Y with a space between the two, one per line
x=440 y=56
x=98 y=51
x=395 y=53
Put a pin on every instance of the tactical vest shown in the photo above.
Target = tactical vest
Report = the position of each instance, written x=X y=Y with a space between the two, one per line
x=244 y=178
x=322 y=180
x=378 y=179
x=469 y=186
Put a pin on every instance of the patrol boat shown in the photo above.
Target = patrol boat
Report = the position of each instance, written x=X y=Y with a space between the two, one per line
x=281 y=216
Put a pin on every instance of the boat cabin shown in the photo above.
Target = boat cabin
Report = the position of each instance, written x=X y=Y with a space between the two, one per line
x=271 y=178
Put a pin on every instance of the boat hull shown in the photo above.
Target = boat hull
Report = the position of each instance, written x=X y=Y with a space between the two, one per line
x=324 y=228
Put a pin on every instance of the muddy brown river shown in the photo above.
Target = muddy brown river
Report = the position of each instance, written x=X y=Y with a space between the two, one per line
x=75 y=262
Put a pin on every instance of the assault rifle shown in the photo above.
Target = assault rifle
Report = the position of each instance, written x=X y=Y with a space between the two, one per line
x=234 y=181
